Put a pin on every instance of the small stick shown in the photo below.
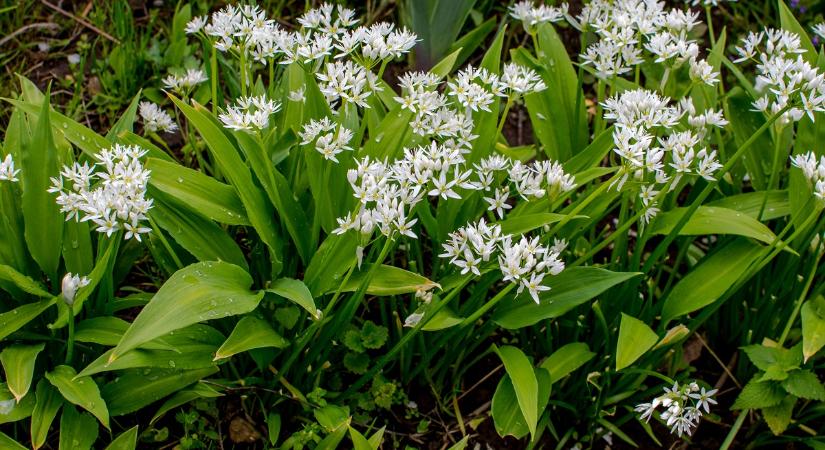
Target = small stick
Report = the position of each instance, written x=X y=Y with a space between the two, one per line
x=25 y=28
x=81 y=21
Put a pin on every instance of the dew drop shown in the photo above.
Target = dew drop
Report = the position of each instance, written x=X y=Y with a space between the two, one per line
x=171 y=364
x=65 y=125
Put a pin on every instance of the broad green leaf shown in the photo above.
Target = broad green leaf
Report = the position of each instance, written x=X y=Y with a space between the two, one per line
x=789 y=23
x=438 y=25
x=713 y=220
x=201 y=237
x=196 y=293
x=765 y=358
x=11 y=410
x=185 y=354
x=331 y=441
x=280 y=194
x=259 y=211
x=571 y=288
x=78 y=430
x=250 y=333
x=759 y=394
x=388 y=280
x=273 y=427
x=18 y=363
x=198 y=390
x=43 y=219
x=85 y=139
x=359 y=442
x=591 y=155
x=461 y=445
x=779 y=417
x=707 y=282
x=804 y=384
x=198 y=192
x=332 y=417
x=446 y=65
x=126 y=441
x=567 y=359
x=525 y=385
x=11 y=321
x=152 y=150
x=751 y=202
x=48 y=402
x=377 y=438
x=507 y=416
x=744 y=122
x=635 y=338
x=137 y=388
x=443 y=319
x=813 y=327
x=331 y=261
x=23 y=282
x=8 y=443
x=82 y=391
x=296 y=292
x=471 y=41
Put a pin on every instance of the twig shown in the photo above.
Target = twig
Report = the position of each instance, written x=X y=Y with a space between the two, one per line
x=719 y=361
x=26 y=28
x=482 y=380
x=81 y=21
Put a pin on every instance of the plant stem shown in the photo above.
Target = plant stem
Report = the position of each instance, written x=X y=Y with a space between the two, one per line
x=802 y=296
x=734 y=430
x=213 y=65
x=487 y=306
x=70 y=341
x=504 y=116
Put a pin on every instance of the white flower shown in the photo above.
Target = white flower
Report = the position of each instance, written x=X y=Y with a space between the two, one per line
x=532 y=16
x=156 y=119
x=682 y=407
x=7 y=170
x=813 y=170
x=184 y=83
x=69 y=286
x=249 y=113
x=195 y=25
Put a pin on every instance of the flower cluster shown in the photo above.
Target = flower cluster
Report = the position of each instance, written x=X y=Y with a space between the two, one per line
x=347 y=82
x=648 y=129
x=7 y=170
x=819 y=30
x=156 y=119
x=523 y=261
x=532 y=16
x=682 y=406
x=183 y=83
x=785 y=80
x=250 y=113
x=330 y=138
x=814 y=171
x=629 y=28
x=116 y=201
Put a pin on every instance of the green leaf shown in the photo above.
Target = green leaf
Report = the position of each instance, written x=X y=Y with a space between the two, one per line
x=471 y=41
x=779 y=417
x=711 y=279
x=196 y=293
x=635 y=338
x=591 y=155
x=377 y=438
x=82 y=391
x=85 y=139
x=78 y=431
x=185 y=354
x=126 y=121
x=23 y=282
x=359 y=442
x=759 y=394
x=297 y=292
x=42 y=215
x=250 y=333
x=137 y=388
x=48 y=402
x=201 y=237
x=13 y=320
x=524 y=381
x=507 y=416
x=568 y=289
x=764 y=357
x=331 y=261
x=714 y=220
x=198 y=192
x=461 y=445
x=443 y=319
x=446 y=65
x=198 y=390
x=387 y=280
x=126 y=441
x=12 y=411
x=567 y=359
x=813 y=327
x=744 y=122
x=751 y=202
x=259 y=211
x=804 y=384
x=333 y=417
x=273 y=427
x=18 y=363
x=8 y=443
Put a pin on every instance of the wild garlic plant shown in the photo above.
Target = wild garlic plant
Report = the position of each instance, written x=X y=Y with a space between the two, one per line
x=682 y=407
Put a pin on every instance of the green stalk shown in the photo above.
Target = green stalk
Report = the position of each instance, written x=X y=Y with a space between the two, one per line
x=70 y=340
x=581 y=205
x=734 y=430
x=774 y=169
x=243 y=72
x=800 y=300
x=213 y=66
x=487 y=306
x=504 y=116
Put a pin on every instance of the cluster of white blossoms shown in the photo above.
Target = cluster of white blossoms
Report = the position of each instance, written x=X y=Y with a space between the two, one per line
x=116 y=200
x=656 y=146
x=629 y=28
x=7 y=170
x=709 y=2
x=155 y=119
x=532 y=16
x=523 y=260
x=183 y=83
x=682 y=407
x=69 y=286
x=813 y=169
x=784 y=79
x=819 y=30
x=250 y=113
x=344 y=82
x=330 y=137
